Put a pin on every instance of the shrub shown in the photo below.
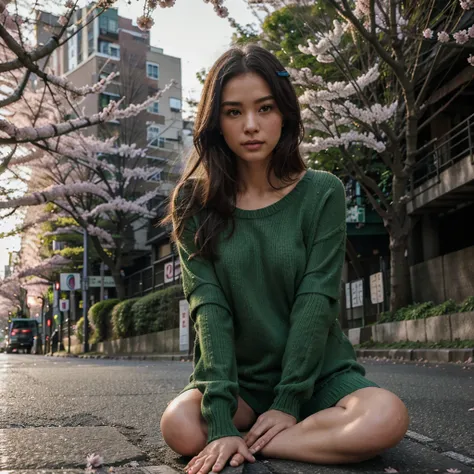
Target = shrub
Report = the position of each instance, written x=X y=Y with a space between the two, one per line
x=447 y=307
x=123 y=319
x=386 y=317
x=467 y=305
x=157 y=311
x=100 y=315
x=80 y=330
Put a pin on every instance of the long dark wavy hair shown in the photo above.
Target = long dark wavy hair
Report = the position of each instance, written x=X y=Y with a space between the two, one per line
x=209 y=183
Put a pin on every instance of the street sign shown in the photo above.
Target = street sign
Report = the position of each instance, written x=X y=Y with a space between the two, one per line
x=348 y=295
x=183 y=325
x=376 y=288
x=63 y=305
x=357 y=290
x=70 y=281
x=169 y=271
x=94 y=282
x=355 y=214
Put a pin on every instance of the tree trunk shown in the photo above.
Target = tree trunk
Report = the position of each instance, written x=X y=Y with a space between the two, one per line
x=119 y=284
x=399 y=229
x=400 y=283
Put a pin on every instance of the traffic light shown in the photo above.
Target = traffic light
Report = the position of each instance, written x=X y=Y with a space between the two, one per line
x=56 y=285
x=48 y=323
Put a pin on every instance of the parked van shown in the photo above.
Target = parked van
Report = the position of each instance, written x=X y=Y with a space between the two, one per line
x=21 y=334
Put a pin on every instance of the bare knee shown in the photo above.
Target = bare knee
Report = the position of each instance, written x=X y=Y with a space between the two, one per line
x=387 y=424
x=182 y=426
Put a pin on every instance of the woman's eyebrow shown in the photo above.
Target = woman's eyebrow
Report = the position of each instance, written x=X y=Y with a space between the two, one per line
x=262 y=99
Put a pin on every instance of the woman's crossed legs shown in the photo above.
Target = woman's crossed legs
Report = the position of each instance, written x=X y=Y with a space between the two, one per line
x=360 y=426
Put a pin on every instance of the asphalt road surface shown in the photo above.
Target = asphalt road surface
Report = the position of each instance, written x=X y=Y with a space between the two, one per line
x=56 y=411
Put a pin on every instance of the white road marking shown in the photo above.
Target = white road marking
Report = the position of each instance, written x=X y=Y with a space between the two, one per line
x=418 y=437
x=459 y=457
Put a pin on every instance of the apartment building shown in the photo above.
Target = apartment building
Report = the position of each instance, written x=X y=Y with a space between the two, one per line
x=111 y=43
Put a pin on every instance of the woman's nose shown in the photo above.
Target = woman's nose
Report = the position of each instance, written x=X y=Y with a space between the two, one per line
x=251 y=123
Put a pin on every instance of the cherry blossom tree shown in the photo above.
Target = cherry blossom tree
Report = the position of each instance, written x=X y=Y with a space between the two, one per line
x=388 y=55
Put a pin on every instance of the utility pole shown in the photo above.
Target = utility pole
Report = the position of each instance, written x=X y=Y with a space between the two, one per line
x=102 y=281
x=85 y=287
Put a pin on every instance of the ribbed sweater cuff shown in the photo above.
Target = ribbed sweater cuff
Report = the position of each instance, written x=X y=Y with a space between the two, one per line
x=287 y=403
x=219 y=421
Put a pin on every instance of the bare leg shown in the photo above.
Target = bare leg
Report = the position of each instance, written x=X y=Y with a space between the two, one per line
x=360 y=426
x=185 y=430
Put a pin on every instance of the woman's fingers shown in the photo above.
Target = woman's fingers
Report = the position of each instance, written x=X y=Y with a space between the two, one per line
x=237 y=460
x=266 y=438
x=221 y=461
x=256 y=432
x=245 y=452
x=190 y=464
x=196 y=467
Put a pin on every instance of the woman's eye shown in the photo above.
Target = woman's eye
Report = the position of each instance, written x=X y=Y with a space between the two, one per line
x=267 y=108
x=232 y=112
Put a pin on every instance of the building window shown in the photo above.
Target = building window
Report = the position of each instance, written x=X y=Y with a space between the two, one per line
x=175 y=104
x=90 y=40
x=155 y=176
x=152 y=70
x=107 y=25
x=109 y=49
x=79 y=46
x=106 y=97
x=72 y=53
x=154 y=108
x=153 y=137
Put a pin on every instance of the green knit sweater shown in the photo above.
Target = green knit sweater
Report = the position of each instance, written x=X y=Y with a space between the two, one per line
x=266 y=312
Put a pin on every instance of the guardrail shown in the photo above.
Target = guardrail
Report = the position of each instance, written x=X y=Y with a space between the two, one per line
x=163 y=272
x=442 y=153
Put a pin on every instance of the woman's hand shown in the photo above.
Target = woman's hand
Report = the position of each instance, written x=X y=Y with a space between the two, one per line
x=215 y=455
x=267 y=426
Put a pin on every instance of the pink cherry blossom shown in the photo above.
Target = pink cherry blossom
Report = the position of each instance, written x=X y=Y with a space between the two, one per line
x=428 y=33
x=461 y=37
x=390 y=470
x=94 y=460
x=470 y=60
x=466 y=4
x=443 y=37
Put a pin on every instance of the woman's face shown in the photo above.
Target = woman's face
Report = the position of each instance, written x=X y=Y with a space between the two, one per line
x=250 y=120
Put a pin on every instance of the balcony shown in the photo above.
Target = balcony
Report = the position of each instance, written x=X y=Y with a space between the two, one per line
x=444 y=178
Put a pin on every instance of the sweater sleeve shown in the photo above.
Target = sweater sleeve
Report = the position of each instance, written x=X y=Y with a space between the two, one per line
x=215 y=372
x=316 y=305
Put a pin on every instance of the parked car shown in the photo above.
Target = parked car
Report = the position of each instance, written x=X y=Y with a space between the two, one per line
x=21 y=334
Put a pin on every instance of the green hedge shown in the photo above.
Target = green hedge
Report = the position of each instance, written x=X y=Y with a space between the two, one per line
x=79 y=332
x=123 y=319
x=100 y=315
x=157 y=311
x=427 y=310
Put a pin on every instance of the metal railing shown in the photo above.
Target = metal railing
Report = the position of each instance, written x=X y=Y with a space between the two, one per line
x=443 y=152
x=152 y=278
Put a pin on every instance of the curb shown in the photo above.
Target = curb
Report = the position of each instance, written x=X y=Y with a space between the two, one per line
x=413 y=355
x=159 y=357
x=420 y=355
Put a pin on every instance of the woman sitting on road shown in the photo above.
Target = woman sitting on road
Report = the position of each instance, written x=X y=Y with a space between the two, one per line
x=262 y=244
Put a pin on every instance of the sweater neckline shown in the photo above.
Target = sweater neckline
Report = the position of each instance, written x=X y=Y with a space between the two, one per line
x=276 y=206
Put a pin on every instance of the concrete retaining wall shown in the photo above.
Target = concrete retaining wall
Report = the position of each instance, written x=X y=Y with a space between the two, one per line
x=450 y=276
x=435 y=329
x=164 y=342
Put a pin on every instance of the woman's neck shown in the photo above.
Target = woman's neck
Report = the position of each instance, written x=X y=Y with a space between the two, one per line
x=253 y=179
